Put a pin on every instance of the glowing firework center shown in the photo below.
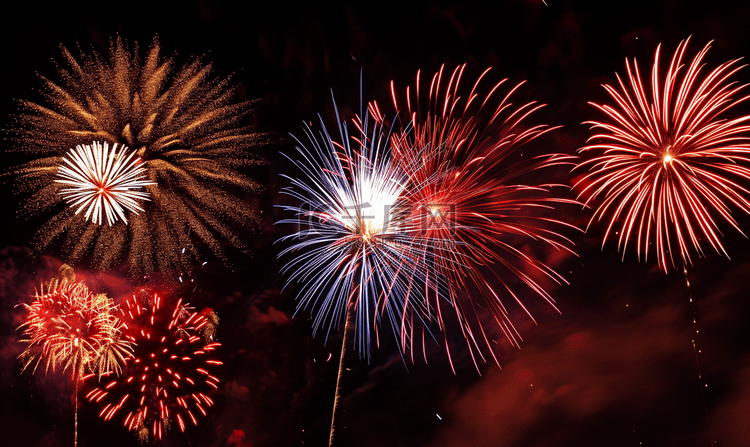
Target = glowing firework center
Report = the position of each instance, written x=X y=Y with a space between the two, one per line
x=103 y=181
x=371 y=214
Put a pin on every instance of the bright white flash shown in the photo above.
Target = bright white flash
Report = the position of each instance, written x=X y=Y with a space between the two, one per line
x=101 y=181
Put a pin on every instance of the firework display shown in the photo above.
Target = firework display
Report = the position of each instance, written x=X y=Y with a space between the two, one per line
x=173 y=369
x=467 y=185
x=666 y=166
x=186 y=138
x=449 y=224
x=354 y=246
x=69 y=327
x=103 y=181
x=358 y=252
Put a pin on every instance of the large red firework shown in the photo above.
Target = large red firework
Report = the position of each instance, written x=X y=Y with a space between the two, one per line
x=173 y=369
x=666 y=166
x=467 y=180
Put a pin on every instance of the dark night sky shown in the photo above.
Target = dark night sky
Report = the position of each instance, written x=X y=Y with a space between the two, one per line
x=615 y=368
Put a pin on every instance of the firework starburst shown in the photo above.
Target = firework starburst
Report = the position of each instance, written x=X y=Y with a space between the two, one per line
x=173 y=368
x=467 y=185
x=354 y=249
x=182 y=125
x=101 y=181
x=70 y=327
x=668 y=163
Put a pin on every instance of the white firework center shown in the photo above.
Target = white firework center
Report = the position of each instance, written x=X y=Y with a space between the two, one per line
x=366 y=206
x=103 y=181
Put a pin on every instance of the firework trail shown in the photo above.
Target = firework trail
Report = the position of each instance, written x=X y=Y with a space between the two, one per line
x=468 y=186
x=357 y=251
x=173 y=369
x=68 y=326
x=664 y=167
x=180 y=124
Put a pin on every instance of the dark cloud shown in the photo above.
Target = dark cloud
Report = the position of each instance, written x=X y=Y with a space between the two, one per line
x=731 y=418
x=617 y=369
x=620 y=372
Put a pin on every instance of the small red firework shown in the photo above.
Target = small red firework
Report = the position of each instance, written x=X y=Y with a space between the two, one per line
x=103 y=181
x=173 y=369
x=462 y=160
x=669 y=164
x=70 y=327
x=67 y=325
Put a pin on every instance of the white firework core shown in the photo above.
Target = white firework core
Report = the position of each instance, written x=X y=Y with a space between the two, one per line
x=366 y=205
x=101 y=181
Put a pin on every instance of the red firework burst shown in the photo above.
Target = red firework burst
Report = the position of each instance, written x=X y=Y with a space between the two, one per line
x=668 y=165
x=173 y=369
x=463 y=164
x=67 y=325
x=70 y=327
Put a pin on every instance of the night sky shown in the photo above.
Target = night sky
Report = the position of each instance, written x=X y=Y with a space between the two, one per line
x=615 y=367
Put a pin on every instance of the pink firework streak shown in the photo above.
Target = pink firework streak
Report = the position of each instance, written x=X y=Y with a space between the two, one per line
x=668 y=165
x=173 y=370
x=467 y=181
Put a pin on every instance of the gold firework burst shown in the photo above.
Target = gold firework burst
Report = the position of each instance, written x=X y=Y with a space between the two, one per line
x=70 y=327
x=184 y=126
